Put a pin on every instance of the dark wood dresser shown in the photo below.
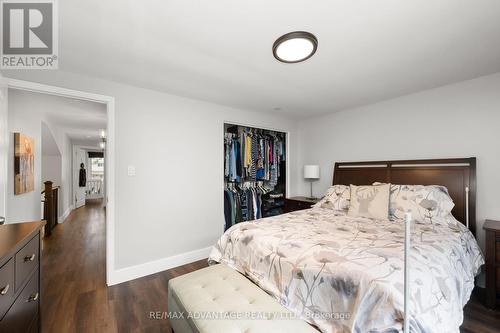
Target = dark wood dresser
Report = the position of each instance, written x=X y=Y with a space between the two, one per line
x=20 y=252
x=299 y=203
x=492 y=229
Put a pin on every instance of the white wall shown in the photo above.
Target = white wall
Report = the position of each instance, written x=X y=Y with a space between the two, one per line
x=51 y=155
x=65 y=148
x=26 y=112
x=4 y=141
x=51 y=159
x=23 y=207
x=66 y=176
x=52 y=169
x=174 y=204
x=460 y=120
x=175 y=145
x=36 y=105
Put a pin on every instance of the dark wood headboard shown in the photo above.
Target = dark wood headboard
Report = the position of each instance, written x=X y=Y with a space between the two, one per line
x=456 y=174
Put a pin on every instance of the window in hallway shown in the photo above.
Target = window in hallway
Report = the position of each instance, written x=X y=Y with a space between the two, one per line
x=97 y=168
x=95 y=182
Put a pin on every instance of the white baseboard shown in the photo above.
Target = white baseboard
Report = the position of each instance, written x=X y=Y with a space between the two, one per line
x=64 y=216
x=152 y=267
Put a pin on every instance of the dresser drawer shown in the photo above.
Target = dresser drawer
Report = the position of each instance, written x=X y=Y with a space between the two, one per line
x=27 y=260
x=497 y=259
x=498 y=278
x=6 y=286
x=24 y=310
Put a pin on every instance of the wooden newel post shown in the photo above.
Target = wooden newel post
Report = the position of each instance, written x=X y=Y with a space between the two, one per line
x=48 y=207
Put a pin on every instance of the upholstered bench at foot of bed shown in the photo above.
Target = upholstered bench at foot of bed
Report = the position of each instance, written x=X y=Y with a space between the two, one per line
x=232 y=303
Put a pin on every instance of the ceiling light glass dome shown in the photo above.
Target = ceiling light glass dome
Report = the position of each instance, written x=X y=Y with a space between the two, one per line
x=295 y=47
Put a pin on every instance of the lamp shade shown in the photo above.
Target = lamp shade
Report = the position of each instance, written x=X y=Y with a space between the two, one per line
x=311 y=171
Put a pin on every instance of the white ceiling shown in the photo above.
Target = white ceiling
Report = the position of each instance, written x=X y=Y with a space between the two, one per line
x=81 y=120
x=220 y=50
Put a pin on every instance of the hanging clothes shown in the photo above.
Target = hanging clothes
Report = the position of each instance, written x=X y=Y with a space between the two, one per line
x=248 y=153
x=252 y=160
x=232 y=162
x=227 y=210
x=82 y=179
x=239 y=168
x=253 y=156
x=261 y=175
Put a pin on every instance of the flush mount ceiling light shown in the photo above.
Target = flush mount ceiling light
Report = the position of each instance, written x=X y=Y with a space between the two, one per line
x=295 y=47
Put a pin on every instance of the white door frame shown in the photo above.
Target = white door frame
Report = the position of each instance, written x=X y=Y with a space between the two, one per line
x=110 y=153
x=4 y=139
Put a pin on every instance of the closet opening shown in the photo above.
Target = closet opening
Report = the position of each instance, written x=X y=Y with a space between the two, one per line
x=255 y=172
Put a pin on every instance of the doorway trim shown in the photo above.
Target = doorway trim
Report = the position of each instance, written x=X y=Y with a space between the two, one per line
x=109 y=101
x=4 y=138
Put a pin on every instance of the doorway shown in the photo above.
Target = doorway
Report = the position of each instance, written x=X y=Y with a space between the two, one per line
x=109 y=195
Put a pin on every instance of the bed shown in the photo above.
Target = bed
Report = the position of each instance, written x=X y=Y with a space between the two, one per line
x=345 y=274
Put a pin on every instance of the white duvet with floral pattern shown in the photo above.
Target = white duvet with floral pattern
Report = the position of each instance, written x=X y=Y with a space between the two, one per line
x=345 y=274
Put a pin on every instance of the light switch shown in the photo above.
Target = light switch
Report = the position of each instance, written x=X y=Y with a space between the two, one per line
x=131 y=170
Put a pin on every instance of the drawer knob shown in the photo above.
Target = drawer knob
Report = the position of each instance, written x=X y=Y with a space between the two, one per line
x=5 y=290
x=29 y=258
x=34 y=297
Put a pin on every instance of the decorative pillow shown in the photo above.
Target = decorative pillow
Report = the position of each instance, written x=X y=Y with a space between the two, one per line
x=337 y=198
x=397 y=192
x=427 y=204
x=370 y=201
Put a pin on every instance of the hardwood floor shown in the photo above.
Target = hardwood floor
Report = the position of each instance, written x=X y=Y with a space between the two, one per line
x=479 y=319
x=76 y=299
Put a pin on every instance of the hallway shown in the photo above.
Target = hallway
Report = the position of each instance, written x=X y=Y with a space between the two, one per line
x=73 y=274
x=75 y=297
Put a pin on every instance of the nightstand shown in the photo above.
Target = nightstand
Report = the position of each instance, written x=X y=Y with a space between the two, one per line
x=299 y=203
x=492 y=245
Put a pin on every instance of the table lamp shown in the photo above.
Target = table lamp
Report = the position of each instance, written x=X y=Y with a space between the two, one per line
x=311 y=173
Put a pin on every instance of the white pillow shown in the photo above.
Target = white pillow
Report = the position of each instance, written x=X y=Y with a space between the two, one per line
x=427 y=204
x=370 y=201
x=337 y=198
